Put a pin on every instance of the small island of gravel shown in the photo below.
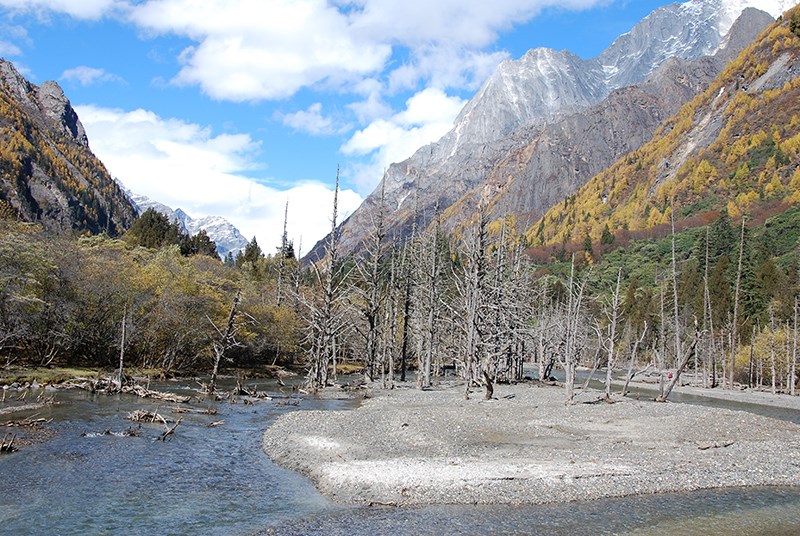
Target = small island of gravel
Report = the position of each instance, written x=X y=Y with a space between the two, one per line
x=409 y=447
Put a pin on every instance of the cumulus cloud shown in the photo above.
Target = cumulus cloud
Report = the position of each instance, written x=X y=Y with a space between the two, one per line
x=262 y=49
x=9 y=49
x=187 y=166
x=86 y=76
x=249 y=50
x=311 y=121
x=428 y=116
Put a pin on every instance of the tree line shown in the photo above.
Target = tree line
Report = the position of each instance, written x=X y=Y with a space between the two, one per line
x=717 y=303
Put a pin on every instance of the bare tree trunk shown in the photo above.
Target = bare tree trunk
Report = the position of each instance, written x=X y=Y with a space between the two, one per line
x=750 y=370
x=226 y=341
x=574 y=304
x=735 y=326
x=324 y=349
x=684 y=361
x=676 y=311
x=793 y=368
x=772 y=346
x=630 y=374
x=122 y=346
x=282 y=258
x=612 y=335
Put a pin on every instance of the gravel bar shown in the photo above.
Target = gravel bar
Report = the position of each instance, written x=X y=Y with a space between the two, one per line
x=526 y=446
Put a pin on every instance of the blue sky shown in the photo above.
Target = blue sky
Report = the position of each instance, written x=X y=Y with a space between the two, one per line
x=233 y=107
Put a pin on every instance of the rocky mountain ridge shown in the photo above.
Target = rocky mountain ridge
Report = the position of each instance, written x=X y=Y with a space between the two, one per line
x=734 y=147
x=48 y=173
x=527 y=95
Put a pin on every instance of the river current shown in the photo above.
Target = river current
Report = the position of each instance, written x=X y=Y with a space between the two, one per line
x=217 y=481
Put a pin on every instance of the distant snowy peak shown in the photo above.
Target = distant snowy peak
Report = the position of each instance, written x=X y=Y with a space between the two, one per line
x=544 y=82
x=687 y=30
x=221 y=231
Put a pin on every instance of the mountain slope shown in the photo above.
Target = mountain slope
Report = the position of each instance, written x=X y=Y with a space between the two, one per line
x=530 y=93
x=48 y=174
x=556 y=159
x=735 y=146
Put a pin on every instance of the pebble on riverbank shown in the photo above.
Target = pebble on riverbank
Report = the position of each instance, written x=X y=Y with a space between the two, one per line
x=527 y=446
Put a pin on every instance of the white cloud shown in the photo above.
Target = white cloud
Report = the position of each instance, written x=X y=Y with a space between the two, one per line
x=311 y=121
x=185 y=165
x=79 y=9
x=9 y=49
x=250 y=50
x=262 y=49
x=428 y=116
x=87 y=76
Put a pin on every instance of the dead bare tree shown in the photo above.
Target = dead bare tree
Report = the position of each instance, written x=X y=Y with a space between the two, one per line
x=571 y=353
x=632 y=363
x=608 y=342
x=282 y=253
x=687 y=355
x=323 y=322
x=735 y=323
x=122 y=346
x=428 y=300
x=371 y=291
x=226 y=341
x=473 y=281
x=793 y=366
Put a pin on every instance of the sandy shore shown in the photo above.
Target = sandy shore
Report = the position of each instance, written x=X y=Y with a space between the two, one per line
x=525 y=447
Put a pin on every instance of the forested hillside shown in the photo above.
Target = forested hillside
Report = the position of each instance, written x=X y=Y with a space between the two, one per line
x=48 y=174
x=736 y=146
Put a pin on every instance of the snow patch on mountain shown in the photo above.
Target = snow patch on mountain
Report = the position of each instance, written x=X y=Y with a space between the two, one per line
x=227 y=237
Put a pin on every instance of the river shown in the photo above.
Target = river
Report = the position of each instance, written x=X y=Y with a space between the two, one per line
x=217 y=481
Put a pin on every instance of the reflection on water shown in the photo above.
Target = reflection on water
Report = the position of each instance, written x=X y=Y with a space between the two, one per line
x=218 y=481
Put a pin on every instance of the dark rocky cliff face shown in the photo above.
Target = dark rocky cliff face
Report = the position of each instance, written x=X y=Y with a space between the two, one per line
x=543 y=125
x=48 y=174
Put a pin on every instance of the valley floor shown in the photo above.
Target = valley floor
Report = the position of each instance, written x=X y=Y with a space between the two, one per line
x=527 y=446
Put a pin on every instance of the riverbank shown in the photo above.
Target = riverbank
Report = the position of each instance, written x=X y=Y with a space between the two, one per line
x=407 y=447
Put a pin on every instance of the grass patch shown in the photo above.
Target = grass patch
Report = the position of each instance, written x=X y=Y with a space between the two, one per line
x=45 y=375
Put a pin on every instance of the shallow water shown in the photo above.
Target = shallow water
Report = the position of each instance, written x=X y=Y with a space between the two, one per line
x=218 y=481
x=758 y=511
x=200 y=481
